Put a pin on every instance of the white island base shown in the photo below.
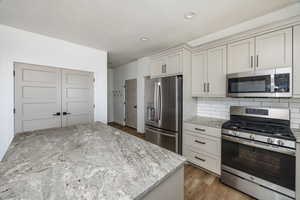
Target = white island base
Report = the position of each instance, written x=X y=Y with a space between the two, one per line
x=170 y=189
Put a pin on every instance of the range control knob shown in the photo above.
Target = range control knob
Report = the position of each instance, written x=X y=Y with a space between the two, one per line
x=251 y=137
x=280 y=143
x=270 y=141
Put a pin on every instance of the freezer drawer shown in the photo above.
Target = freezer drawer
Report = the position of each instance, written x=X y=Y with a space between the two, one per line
x=162 y=138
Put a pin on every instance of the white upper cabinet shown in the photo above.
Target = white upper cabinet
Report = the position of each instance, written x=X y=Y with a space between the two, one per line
x=271 y=50
x=241 y=56
x=158 y=66
x=199 y=73
x=296 y=61
x=274 y=49
x=209 y=73
x=167 y=65
x=174 y=64
x=216 y=72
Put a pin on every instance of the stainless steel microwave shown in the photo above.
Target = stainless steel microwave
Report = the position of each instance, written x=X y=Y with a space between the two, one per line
x=261 y=83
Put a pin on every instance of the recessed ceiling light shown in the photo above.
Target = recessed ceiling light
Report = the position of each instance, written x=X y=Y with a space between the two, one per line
x=189 y=15
x=144 y=39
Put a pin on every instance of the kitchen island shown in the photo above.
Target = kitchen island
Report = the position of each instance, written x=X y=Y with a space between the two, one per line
x=92 y=161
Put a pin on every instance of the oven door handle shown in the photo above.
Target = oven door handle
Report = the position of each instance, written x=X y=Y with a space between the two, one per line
x=259 y=145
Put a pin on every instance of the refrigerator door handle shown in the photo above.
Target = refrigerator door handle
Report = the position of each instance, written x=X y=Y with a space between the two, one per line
x=160 y=102
x=155 y=101
x=161 y=133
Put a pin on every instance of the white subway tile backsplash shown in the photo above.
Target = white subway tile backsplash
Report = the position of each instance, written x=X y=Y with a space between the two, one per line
x=275 y=105
x=219 y=107
x=295 y=125
x=295 y=110
x=295 y=115
x=255 y=104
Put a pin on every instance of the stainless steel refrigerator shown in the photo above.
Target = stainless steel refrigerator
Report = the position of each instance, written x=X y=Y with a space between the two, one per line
x=163 y=100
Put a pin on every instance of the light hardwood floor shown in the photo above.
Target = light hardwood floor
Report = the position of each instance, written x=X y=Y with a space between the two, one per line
x=198 y=184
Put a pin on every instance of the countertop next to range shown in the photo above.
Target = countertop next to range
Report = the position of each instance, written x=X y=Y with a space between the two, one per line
x=92 y=161
x=296 y=133
x=217 y=123
x=206 y=121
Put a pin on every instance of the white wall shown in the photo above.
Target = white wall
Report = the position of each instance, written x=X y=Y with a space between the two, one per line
x=122 y=73
x=143 y=71
x=110 y=98
x=134 y=70
x=21 y=46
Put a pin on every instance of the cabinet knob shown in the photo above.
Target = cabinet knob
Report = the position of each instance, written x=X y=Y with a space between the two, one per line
x=207 y=87
x=201 y=159
x=200 y=129
x=164 y=68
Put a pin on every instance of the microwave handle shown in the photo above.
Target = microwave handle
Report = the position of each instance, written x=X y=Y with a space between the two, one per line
x=273 y=83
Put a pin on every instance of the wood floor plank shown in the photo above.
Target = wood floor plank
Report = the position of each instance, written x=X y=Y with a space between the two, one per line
x=198 y=184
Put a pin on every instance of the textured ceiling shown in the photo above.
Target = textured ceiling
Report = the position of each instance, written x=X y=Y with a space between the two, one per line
x=117 y=25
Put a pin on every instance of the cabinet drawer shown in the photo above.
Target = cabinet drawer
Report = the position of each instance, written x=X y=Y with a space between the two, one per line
x=215 y=132
x=203 y=160
x=208 y=144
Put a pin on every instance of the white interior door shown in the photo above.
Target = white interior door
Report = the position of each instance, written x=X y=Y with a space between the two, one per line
x=37 y=97
x=131 y=103
x=77 y=97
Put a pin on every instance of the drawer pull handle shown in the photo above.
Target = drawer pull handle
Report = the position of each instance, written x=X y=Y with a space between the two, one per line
x=199 y=159
x=200 y=142
x=200 y=129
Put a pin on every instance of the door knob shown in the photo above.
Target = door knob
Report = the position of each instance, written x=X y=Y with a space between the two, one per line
x=56 y=114
x=66 y=113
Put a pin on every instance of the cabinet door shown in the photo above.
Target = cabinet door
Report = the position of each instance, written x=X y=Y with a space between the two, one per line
x=174 y=64
x=274 y=49
x=199 y=73
x=296 y=62
x=216 y=68
x=158 y=67
x=241 y=56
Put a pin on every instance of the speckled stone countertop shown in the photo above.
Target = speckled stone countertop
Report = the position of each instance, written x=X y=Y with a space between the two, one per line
x=87 y=162
x=206 y=121
x=296 y=133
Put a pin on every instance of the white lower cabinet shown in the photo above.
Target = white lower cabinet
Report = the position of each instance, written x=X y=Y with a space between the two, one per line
x=202 y=146
x=204 y=160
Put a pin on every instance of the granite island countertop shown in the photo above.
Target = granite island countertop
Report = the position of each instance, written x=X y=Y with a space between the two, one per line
x=206 y=121
x=88 y=162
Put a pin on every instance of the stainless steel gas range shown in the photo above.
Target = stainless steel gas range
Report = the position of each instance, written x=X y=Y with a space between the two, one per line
x=258 y=153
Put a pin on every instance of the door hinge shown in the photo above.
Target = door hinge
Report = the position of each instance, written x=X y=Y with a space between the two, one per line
x=125 y=103
x=94 y=106
x=14 y=111
x=94 y=80
x=14 y=73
